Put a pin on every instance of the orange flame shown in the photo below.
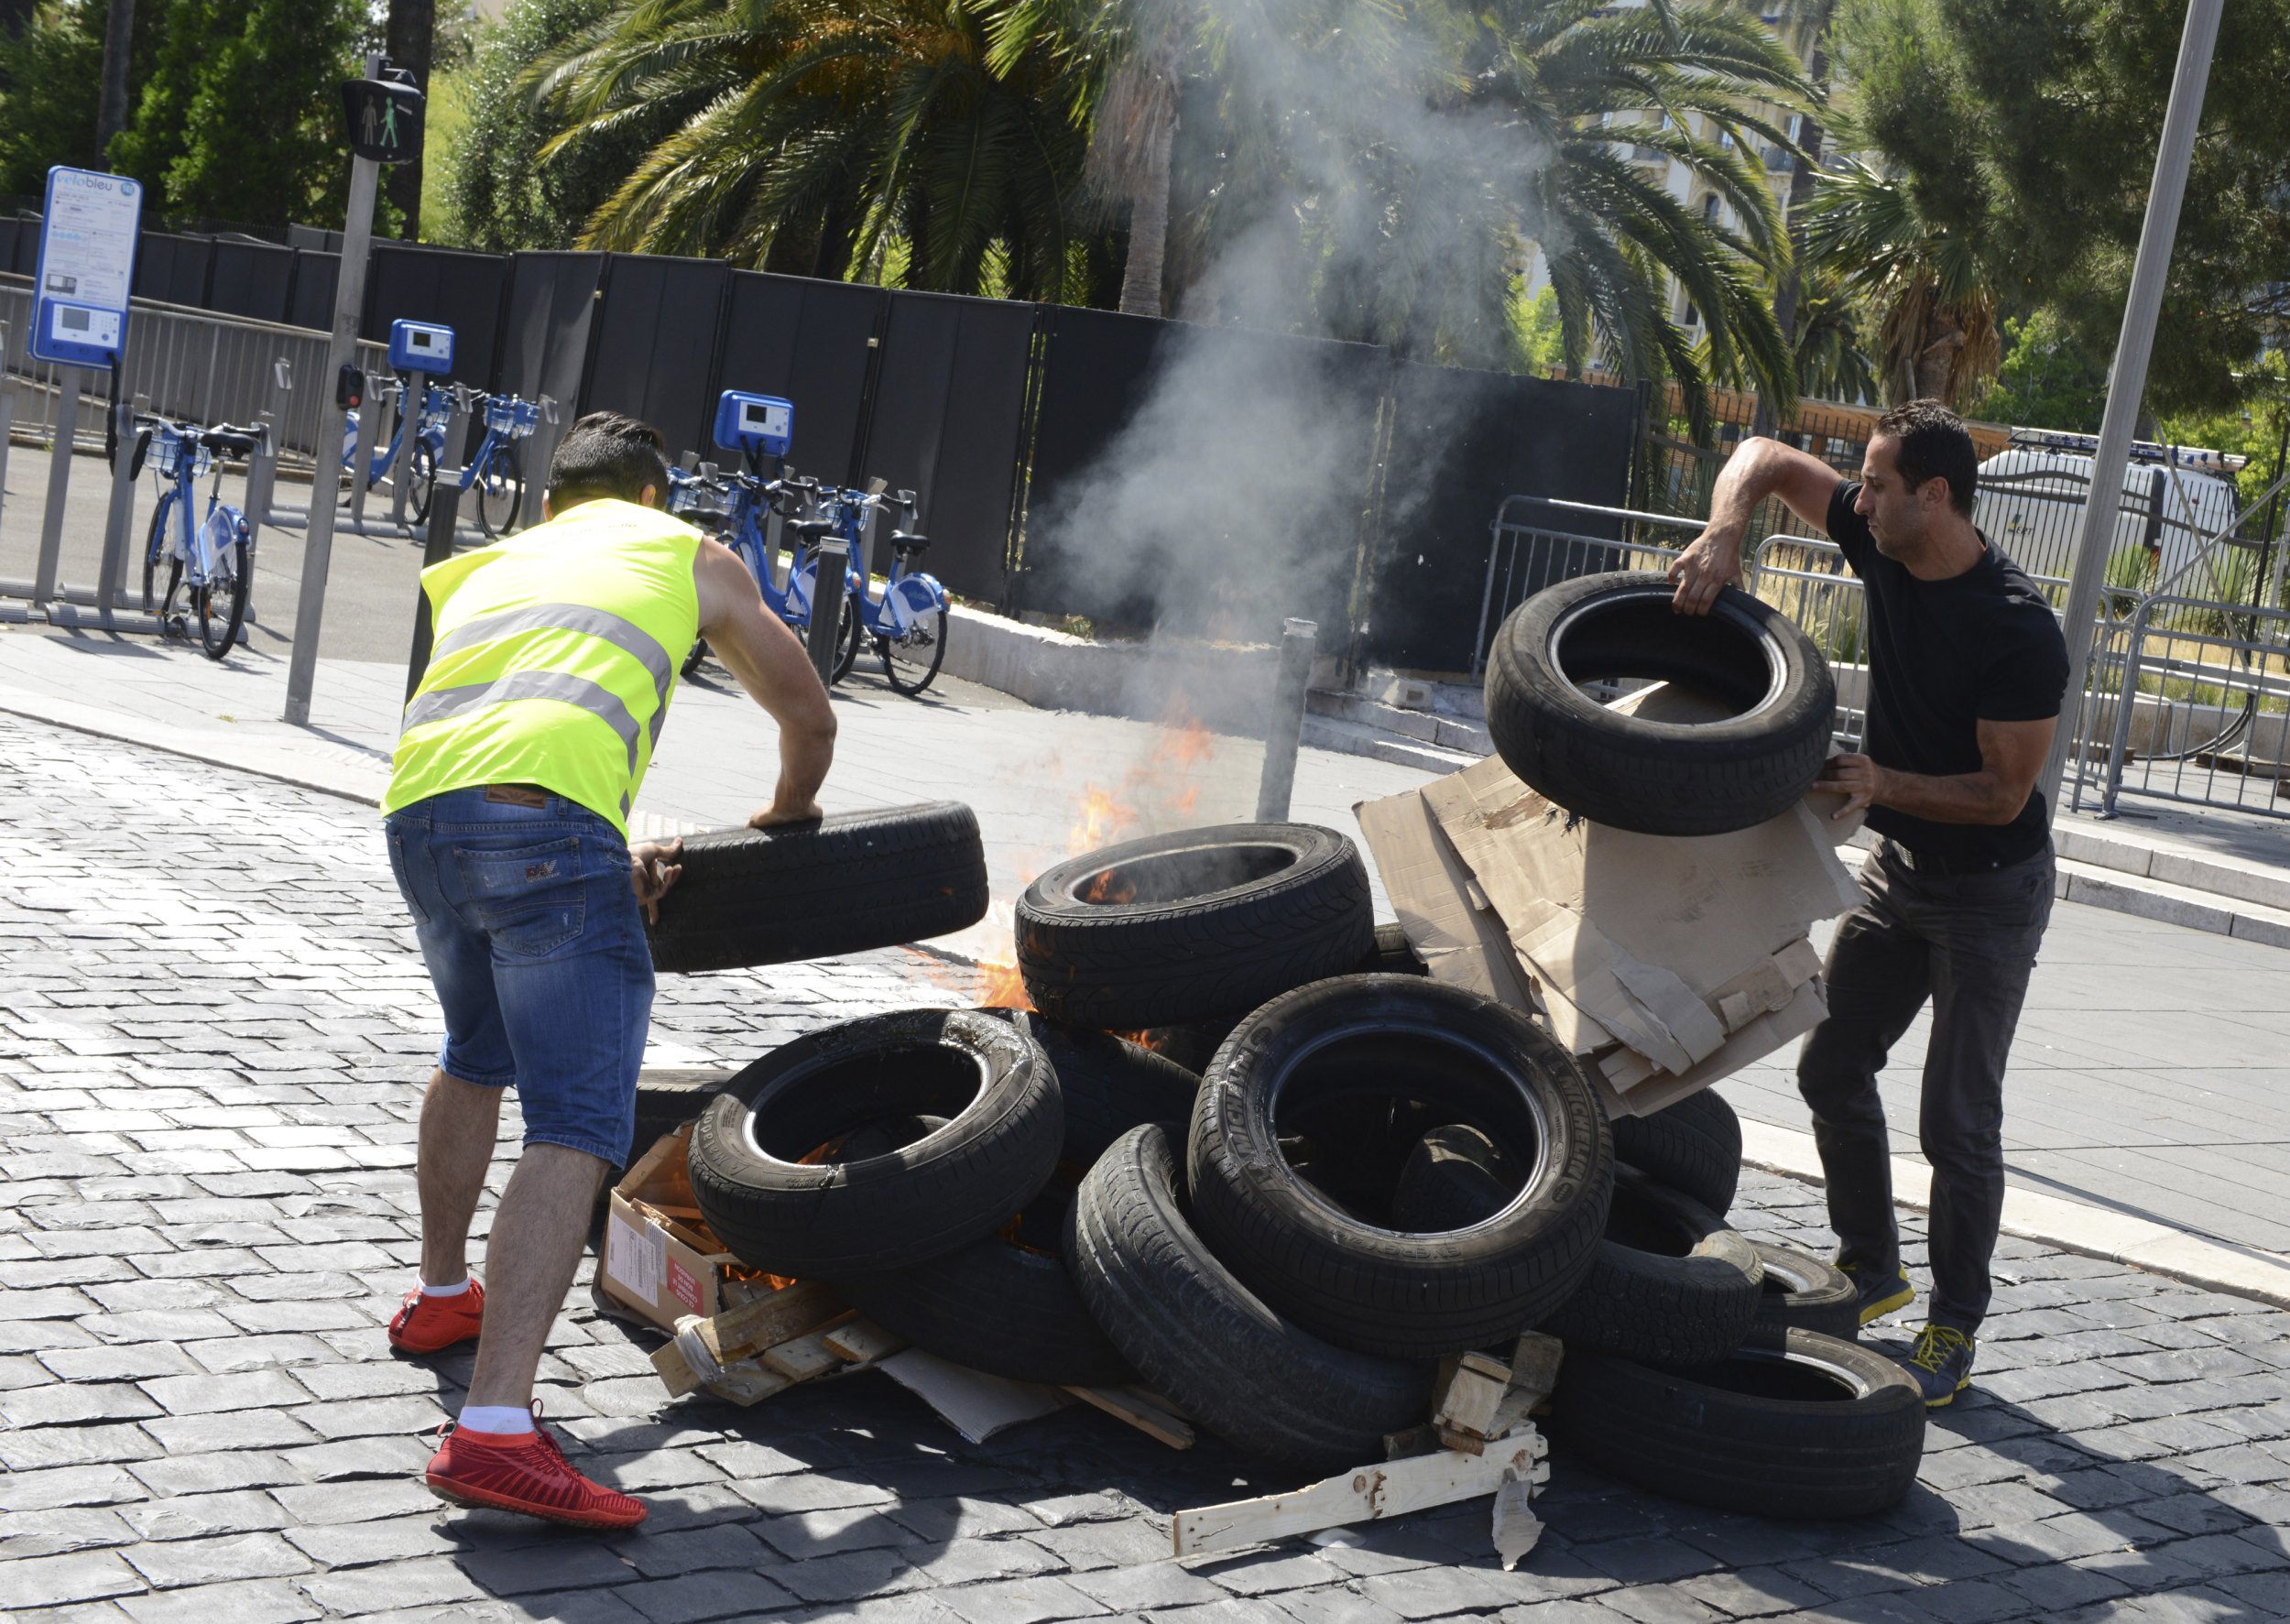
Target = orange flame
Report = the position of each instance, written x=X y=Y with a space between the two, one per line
x=1000 y=986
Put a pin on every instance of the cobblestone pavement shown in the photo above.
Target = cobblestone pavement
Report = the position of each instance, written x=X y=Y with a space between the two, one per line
x=212 y=1037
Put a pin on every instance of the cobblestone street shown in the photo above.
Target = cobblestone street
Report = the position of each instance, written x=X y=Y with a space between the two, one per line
x=213 y=1030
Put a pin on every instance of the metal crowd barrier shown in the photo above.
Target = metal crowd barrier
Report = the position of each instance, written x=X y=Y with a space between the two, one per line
x=1540 y=540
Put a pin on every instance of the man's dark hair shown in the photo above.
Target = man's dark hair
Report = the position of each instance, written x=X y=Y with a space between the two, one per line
x=606 y=454
x=1934 y=445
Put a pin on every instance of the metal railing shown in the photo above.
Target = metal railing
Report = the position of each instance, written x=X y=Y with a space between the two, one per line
x=1540 y=539
x=2194 y=707
x=186 y=363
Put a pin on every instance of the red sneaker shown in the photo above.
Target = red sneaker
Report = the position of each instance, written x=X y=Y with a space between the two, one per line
x=427 y=1325
x=525 y=1472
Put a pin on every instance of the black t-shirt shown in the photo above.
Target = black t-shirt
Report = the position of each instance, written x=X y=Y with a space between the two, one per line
x=1945 y=656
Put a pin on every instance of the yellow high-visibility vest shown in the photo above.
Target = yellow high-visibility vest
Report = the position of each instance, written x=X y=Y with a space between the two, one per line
x=553 y=657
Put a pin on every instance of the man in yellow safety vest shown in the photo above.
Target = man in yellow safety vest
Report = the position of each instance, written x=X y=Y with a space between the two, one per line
x=521 y=752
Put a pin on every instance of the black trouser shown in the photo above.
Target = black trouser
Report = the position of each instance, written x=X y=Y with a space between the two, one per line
x=1968 y=942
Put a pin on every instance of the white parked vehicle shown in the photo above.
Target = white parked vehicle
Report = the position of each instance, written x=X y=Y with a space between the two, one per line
x=2176 y=500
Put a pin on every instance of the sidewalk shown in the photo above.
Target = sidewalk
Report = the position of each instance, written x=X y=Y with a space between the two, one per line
x=2149 y=1085
x=215 y=1035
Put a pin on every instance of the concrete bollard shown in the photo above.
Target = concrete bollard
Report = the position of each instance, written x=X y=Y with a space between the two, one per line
x=826 y=607
x=1284 y=728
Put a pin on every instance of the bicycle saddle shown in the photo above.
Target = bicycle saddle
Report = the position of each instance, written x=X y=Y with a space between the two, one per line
x=902 y=542
x=811 y=529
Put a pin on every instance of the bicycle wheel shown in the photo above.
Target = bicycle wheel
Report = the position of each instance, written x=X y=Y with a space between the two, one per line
x=154 y=546
x=851 y=634
x=500 y=491
x=694 y=659
x=911 y=659
x=221 y=601
x=421 y=480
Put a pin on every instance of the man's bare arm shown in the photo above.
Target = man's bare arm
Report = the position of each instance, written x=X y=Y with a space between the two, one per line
x=2010 y=754
x=770 y=663
x=1758 y=469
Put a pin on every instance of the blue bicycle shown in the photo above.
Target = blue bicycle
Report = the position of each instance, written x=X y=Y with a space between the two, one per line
x=428 y=433
x=908 y=621
x=734 y=507
x=494 y=469
x=212 y=562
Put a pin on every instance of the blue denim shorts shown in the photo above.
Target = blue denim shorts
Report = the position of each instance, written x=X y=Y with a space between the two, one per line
x=535 y=946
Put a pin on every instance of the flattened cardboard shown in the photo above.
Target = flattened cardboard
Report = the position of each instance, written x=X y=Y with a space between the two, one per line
x=1448 y=918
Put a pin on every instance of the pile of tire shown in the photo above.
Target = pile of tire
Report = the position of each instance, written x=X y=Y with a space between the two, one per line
x=1372 y=1171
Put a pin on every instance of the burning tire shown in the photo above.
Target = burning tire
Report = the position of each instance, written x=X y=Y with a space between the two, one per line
x=763 y=1156
x=1806 y=1427
x=1187 y=927
x=1658 y=777
x=1693 y=1146
x=848 y=883
x=1257 y=1380
x=1106 y=1085
x=1451 y=1055
x=1671 y=1285
x=1803 y=1292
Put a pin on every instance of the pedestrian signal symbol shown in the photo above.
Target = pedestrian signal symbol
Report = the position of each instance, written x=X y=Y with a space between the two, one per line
x=384 y=120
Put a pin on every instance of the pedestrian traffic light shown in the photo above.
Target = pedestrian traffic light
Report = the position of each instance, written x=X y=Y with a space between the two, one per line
x=385 y=119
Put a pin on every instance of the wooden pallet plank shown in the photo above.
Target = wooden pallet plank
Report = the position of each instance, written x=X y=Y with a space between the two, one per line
x=1368 y=1494
x=1145 y=1412
x=804 y=1358
x=862 y=1342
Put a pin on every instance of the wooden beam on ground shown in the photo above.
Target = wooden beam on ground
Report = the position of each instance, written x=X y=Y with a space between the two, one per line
x=1148 y=1412
x=1368 y=1494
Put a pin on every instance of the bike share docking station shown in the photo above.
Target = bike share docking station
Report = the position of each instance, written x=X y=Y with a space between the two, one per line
x=89 y=224
x=421 y=425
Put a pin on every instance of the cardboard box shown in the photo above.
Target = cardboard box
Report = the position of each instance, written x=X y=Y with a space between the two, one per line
x=1668 y=962
x=660 y=1258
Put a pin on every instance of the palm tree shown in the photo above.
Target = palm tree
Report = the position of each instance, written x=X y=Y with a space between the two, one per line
x=821 y=137
x=1933 y=287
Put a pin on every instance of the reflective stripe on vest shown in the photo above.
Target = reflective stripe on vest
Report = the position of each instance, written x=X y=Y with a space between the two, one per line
x=622 y=634
x=556 y=654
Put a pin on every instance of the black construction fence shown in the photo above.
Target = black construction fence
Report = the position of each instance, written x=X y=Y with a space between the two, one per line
x=1067 y=461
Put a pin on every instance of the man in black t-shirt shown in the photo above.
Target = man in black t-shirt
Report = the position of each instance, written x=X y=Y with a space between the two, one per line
x=1967 y=669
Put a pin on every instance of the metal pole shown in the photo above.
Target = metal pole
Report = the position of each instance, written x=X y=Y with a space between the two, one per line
x=437 y=546
x=319 y=540
x=281 y=385
x=262 y=475
x=120 y=511
x=2128 y=386
x=8 y=427
x=401 y=465
x=68 y=381
x=827 y=587
x=1284 y=730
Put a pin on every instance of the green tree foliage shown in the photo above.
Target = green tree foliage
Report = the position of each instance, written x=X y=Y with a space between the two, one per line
x=501 y=192
x=239 y=118
x=2032 y=124
x=2047 y=380
x=49 y=71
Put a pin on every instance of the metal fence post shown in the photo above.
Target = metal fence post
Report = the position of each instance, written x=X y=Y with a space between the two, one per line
x=281 y=385
x=361 y=461
x=1284 y=728
x=7 y=425
x=68 y=382
x=827 y=586
x=262 y=479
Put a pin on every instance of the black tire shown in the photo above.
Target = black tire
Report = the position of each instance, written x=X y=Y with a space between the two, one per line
x=1670 y=1286
x=1216 y=922
x=1803 y=1292
x=154 y=542
x=221 y=601
x=693 y=661
x=1460 y=1057
x=850 y=634
x=1391 y=955
x=910 y=664
x=1108 y=1083
x=1693 y=1146
x=1658 y=777
x=421 y=480
x=1456 y=1176
x=852 y=881
x=824 y=1218
x=1195 y=1333
x=666 y=1100
x=1006 y=1304
x=1809 y=1426
x=500 y=487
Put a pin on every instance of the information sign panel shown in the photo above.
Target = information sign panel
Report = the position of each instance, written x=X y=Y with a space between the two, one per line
x=87 y=265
